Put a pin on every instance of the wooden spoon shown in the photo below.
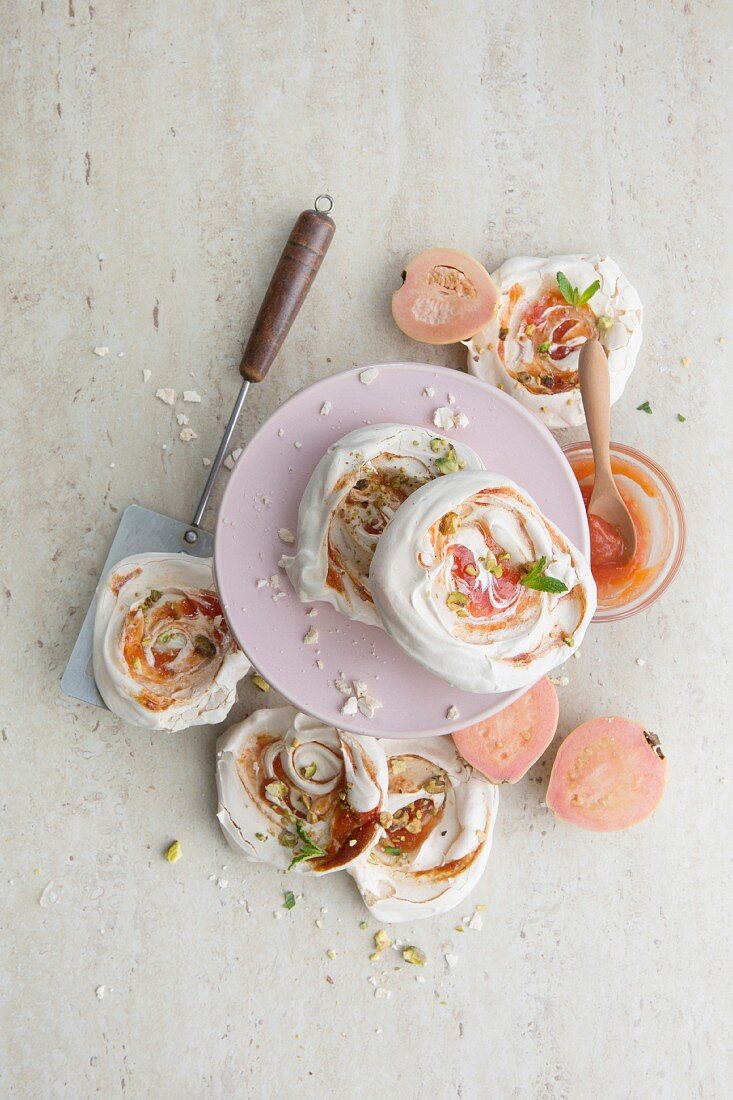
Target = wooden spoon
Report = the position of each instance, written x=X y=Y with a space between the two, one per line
x=595 y=389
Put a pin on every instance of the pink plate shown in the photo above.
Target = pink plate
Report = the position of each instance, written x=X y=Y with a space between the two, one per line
x=263 y=495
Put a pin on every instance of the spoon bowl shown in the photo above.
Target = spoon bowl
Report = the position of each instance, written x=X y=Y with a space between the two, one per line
x=606 y=501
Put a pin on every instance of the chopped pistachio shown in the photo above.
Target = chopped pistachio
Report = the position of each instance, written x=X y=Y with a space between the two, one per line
x=174 y=852
x=363 y=925
x=448 y=463
x=436 y=445
x=471 y=570
x=260 y=682
x=456 y=599
x=448 y=523
x=153 y=596
x=604 y=322
x=569 y=640
x=504 y=557
x=529 y=329
x=276 y=789
x=544 y=347
x=204 y=646
x=331 y=953
x=381 y=940
x=308 y=771
x=289 y=901
x=414 y=955
x=288 y=840
x=260 y=836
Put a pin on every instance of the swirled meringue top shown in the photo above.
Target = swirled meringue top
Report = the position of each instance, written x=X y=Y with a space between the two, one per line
x=296 y=793
x=531 y=349
x=163 y=655
x=438 y=827
x=353 y=493
x=447 y=582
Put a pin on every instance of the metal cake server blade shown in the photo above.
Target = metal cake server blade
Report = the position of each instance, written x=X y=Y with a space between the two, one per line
x=144 y=531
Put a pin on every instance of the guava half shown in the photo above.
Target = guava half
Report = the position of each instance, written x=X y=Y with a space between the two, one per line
x=609 y=773
x=446 y=296
x=505 y=746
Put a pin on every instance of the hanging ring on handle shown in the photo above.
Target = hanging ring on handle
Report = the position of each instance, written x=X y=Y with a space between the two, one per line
x=324 y=204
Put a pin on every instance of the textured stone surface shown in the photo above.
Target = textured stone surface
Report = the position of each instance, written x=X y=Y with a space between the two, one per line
x=154 y=158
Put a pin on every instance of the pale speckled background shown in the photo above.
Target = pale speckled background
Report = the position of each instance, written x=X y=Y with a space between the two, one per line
x=177 y=141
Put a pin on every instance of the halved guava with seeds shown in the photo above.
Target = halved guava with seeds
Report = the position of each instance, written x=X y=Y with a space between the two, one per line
x=609 y=773
x=505 y=746
x=446 y=296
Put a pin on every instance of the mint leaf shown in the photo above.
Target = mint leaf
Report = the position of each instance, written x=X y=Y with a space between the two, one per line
x=568 y=292
x=535 y=578
x=645 y=407
x=289 y=902
x=589 y=292
x=308 y=848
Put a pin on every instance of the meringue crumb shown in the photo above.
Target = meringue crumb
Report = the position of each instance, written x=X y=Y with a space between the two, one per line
x=100 y=991
x=452 y=960
x=452 y=713
x=640 y=661
x=428 y=392
x=182 y=419
x=146 y=374
x=191 y=396
x=278 y=596
x=281 y=432
x=284 y=535
x=383 y=993
x=331 y=953
x=101 y=352
x=342 y=685
x=311 y=612
x=446 y=418
x=319 y=664
x=231 y=459
x=559 y=681
x=166 y=395
x=685 y=360
x=351 y=706
x=367 y=376
x=325 y=408
x=451 y=399
x=297 y=445
x=187 y=434
x=311 y=637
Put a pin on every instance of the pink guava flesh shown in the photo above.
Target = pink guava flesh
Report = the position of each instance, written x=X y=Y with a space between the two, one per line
x=505 y=746
x=446 y=296
x=608 y=774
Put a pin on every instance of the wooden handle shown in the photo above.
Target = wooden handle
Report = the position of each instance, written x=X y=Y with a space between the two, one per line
x=595 y=389
x=296 y=269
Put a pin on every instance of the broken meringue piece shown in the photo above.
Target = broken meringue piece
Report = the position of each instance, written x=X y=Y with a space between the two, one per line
x=297 y=794
x=438 y=824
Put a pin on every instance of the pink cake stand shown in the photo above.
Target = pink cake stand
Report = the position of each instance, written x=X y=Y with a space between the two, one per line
x=263 y=495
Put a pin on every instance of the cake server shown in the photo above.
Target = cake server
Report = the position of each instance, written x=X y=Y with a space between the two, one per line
x=141 y=529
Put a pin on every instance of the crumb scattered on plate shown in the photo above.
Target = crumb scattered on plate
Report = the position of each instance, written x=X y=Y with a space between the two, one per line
x=166 y=395
x=367 y=376
x=191 y=395
x=285 y=536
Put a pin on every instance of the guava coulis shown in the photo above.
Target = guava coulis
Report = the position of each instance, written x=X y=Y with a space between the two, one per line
x=620 y=581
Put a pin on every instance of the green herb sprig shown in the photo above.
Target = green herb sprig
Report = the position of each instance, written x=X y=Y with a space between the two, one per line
x=572 y=295
x=536 y=579
x=308 y=848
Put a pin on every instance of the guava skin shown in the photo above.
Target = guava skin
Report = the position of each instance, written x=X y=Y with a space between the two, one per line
x=446 y=296
x=609 y=774
x=505 y=746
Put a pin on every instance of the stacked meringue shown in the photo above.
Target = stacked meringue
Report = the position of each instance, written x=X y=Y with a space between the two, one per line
x=405 y=530
x=410 y=821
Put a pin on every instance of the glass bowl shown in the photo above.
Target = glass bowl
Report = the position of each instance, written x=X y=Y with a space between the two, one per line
x=660 y=507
